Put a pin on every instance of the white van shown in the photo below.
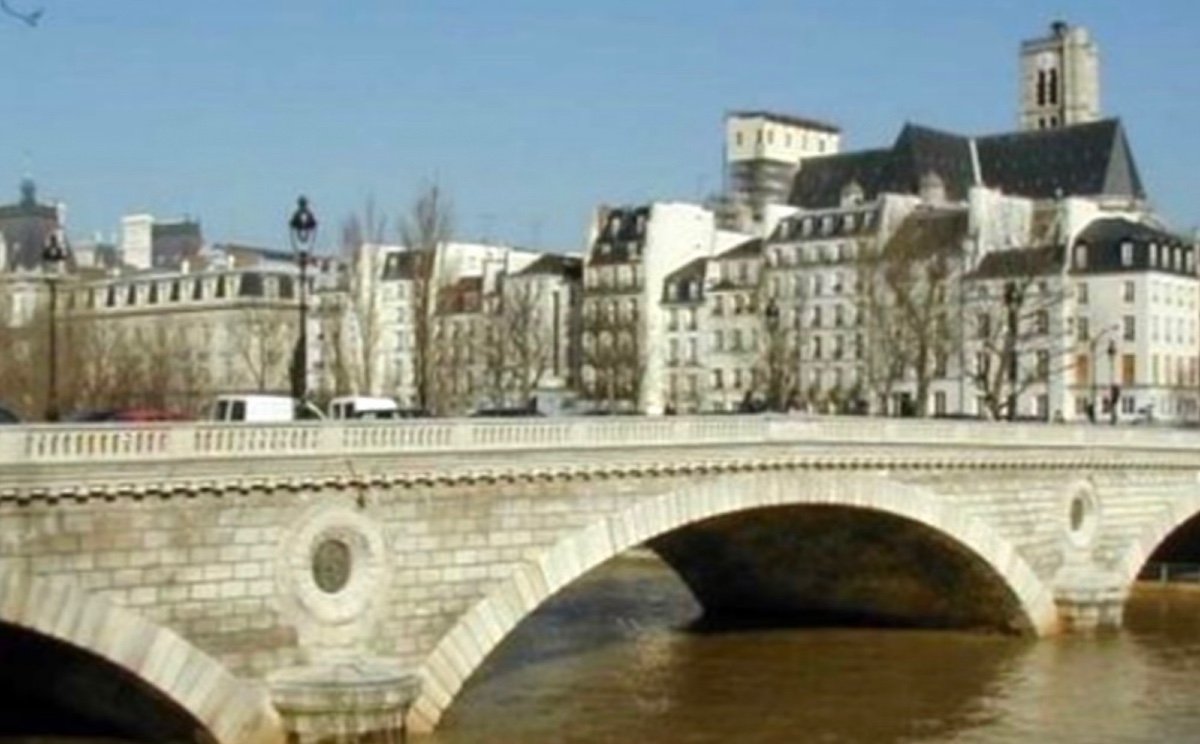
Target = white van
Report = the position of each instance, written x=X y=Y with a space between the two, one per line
x=262 y=409
x=363 y=407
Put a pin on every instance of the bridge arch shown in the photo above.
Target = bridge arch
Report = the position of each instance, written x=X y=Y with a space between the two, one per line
x=1174 y=517
x=463 y=649
x=225 y=709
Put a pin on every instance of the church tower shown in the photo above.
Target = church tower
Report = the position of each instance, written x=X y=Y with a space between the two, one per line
x=1060 y=79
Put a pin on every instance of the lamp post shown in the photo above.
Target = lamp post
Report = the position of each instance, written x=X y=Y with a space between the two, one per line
x=775 y=361
x=1114 y=391
x=1093 y=342
x=53 y=255
x=302 y=230
x=1011 y=306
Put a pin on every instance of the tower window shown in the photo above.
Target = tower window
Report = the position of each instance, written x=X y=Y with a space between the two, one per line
x=1053 y=91
x=1041 y=88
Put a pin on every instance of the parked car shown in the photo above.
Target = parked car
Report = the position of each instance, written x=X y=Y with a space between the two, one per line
x=506 y=412
x=263 y=409
x=362 y=407
x=124 y=415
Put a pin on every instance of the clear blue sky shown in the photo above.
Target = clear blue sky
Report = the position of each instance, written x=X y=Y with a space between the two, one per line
x=529 y=112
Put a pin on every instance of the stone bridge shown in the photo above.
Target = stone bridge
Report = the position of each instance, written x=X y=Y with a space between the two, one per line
x=247 y=584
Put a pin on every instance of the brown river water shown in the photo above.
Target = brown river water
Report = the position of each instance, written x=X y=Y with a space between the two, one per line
x=616 y=658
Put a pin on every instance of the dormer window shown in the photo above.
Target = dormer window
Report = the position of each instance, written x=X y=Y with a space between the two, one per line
x=827 y=224
x=1153 y=255
x=807 y=227
x=1081 y=256
x=131 y=295
x=1127 y=253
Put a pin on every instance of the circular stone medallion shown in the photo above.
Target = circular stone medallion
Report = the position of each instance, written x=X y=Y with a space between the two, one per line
x=331 y=566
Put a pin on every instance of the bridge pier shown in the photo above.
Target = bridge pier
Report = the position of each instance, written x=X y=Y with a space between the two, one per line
x=344 y=701
x=1085 y=609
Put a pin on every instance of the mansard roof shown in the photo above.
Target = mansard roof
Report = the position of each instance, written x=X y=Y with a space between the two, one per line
x=400 y=265
x=556 y=264
x=621 y=235
x=1104 y=239
x=749 y=249
x=1091 y=159
x=678 y=285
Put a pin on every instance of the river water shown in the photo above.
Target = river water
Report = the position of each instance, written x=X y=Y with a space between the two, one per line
x=616 y=658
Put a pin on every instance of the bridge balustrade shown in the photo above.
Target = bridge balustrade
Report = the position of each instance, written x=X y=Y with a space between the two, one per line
x=142 y=442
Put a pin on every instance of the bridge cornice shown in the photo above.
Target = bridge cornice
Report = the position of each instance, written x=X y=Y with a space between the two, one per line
x=72 y=483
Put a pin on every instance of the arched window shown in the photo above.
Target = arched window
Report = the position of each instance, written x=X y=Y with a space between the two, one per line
x=1041 y=88
x=1052 y=93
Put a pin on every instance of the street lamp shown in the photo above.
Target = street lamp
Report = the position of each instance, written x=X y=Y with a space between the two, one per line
x=302 y=230
x=1114 y=392
x=53 y=256
x=1093 y=342
x=774 y=360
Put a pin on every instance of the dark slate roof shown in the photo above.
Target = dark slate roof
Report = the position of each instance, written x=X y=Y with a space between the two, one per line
x=1083 y=160
x=569 y=267
x=401 y=265
x=926 y=232
x=676 y=284
x=749 y=249
x=622 y=231
x=1103 y=240
x=1020 y=262
x=1087 y=159
x=798 y=121
x=855 y=220
x=820 y=180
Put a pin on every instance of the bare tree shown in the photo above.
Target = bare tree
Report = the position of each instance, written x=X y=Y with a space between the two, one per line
x=1014 y=299
x=920 y=268
x=518 y=348
x=881 y=348
x=425 y=230
x=30 y=18
x=261 y=344
x=615 y=357
x=360 y=314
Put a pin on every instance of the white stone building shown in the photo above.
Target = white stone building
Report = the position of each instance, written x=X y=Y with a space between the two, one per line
x=631 y=251
x=763 y=152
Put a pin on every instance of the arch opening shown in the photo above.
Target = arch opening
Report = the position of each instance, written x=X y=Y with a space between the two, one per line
x=53 y=689
x=824 y=566
x=966 y=574
x=1176 y=556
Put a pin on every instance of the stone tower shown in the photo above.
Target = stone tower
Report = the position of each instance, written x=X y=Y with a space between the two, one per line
x=1060 y=79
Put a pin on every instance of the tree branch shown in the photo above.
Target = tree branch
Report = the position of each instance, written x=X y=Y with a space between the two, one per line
x=30 y=18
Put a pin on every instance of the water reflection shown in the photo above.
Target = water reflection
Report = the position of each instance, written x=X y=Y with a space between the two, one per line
x=616 y=659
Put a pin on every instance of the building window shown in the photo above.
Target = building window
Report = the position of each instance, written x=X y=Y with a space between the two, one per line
x=1043 y=365
x=1128 y=291
x=1127 y=253
x=1081 y=324
x=1081 y=256
x=1130 y=328
x=1042 y=322
x=1129 y=370
x=1081 y=293
x=719 y=340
